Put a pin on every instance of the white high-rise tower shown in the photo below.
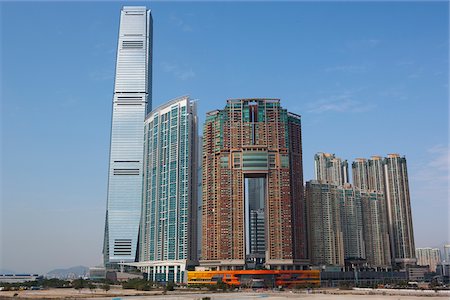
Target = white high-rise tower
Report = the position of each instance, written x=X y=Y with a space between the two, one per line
x=131 y=101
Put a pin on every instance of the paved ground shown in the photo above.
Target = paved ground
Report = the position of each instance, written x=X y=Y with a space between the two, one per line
x=280 y=296
x=331 y=294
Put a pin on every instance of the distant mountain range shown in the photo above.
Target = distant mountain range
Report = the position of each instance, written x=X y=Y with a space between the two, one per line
x=69 y=273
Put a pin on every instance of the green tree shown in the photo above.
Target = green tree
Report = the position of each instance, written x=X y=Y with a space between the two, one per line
x=138 y=284
x=221 y=285
x=91 y=286
x=106 y=287
x=170 y=286
x=79 y=284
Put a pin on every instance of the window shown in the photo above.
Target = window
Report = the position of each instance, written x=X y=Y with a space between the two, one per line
x=132 y=44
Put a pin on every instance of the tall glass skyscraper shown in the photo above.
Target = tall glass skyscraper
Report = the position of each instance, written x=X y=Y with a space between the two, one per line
x=132 y=98
x=169 y=224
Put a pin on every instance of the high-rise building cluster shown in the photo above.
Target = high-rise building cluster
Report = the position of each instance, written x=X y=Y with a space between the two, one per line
x=369 y=221
x=235 y=198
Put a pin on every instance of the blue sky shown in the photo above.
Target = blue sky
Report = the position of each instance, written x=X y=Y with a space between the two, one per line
x=367 y=78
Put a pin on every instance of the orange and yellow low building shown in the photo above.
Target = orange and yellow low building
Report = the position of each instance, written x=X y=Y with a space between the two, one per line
x=257 y=278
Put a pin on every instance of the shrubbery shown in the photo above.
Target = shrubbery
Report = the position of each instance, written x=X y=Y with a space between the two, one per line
x=41 y=282
x=345 y=286
x=138 y=284
x=170 y=286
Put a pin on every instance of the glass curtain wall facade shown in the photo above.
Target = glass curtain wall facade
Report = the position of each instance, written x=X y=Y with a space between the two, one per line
x=169 y=209
x=132 y=98
x=255 y=233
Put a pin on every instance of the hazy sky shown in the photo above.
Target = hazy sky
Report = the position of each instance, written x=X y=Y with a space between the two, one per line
x=367 y=78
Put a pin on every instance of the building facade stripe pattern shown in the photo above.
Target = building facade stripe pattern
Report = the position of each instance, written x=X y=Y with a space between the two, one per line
x=368 y=177
x=430 y=257
x=389 y=176
x=399 y=210
x=331 y=169
x=351 y=222
x=346 y=223
x=169 y=207
x=326 y=243
x=251 y=139
x=375 y=213
x=132 y=98
x=376 y=236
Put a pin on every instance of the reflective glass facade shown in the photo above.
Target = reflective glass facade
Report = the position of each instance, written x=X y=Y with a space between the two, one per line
x=132 y=95
x=169 y=224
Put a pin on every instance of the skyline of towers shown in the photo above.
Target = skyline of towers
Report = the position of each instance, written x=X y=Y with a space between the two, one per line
x=131 y=101
x=389 y=176
x=376 y=222
x=253 y=205
x=248 y=139
x=168 y=243
x=349 y=222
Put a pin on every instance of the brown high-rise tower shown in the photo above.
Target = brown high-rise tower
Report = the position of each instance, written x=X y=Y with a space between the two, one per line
x=253 y=207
